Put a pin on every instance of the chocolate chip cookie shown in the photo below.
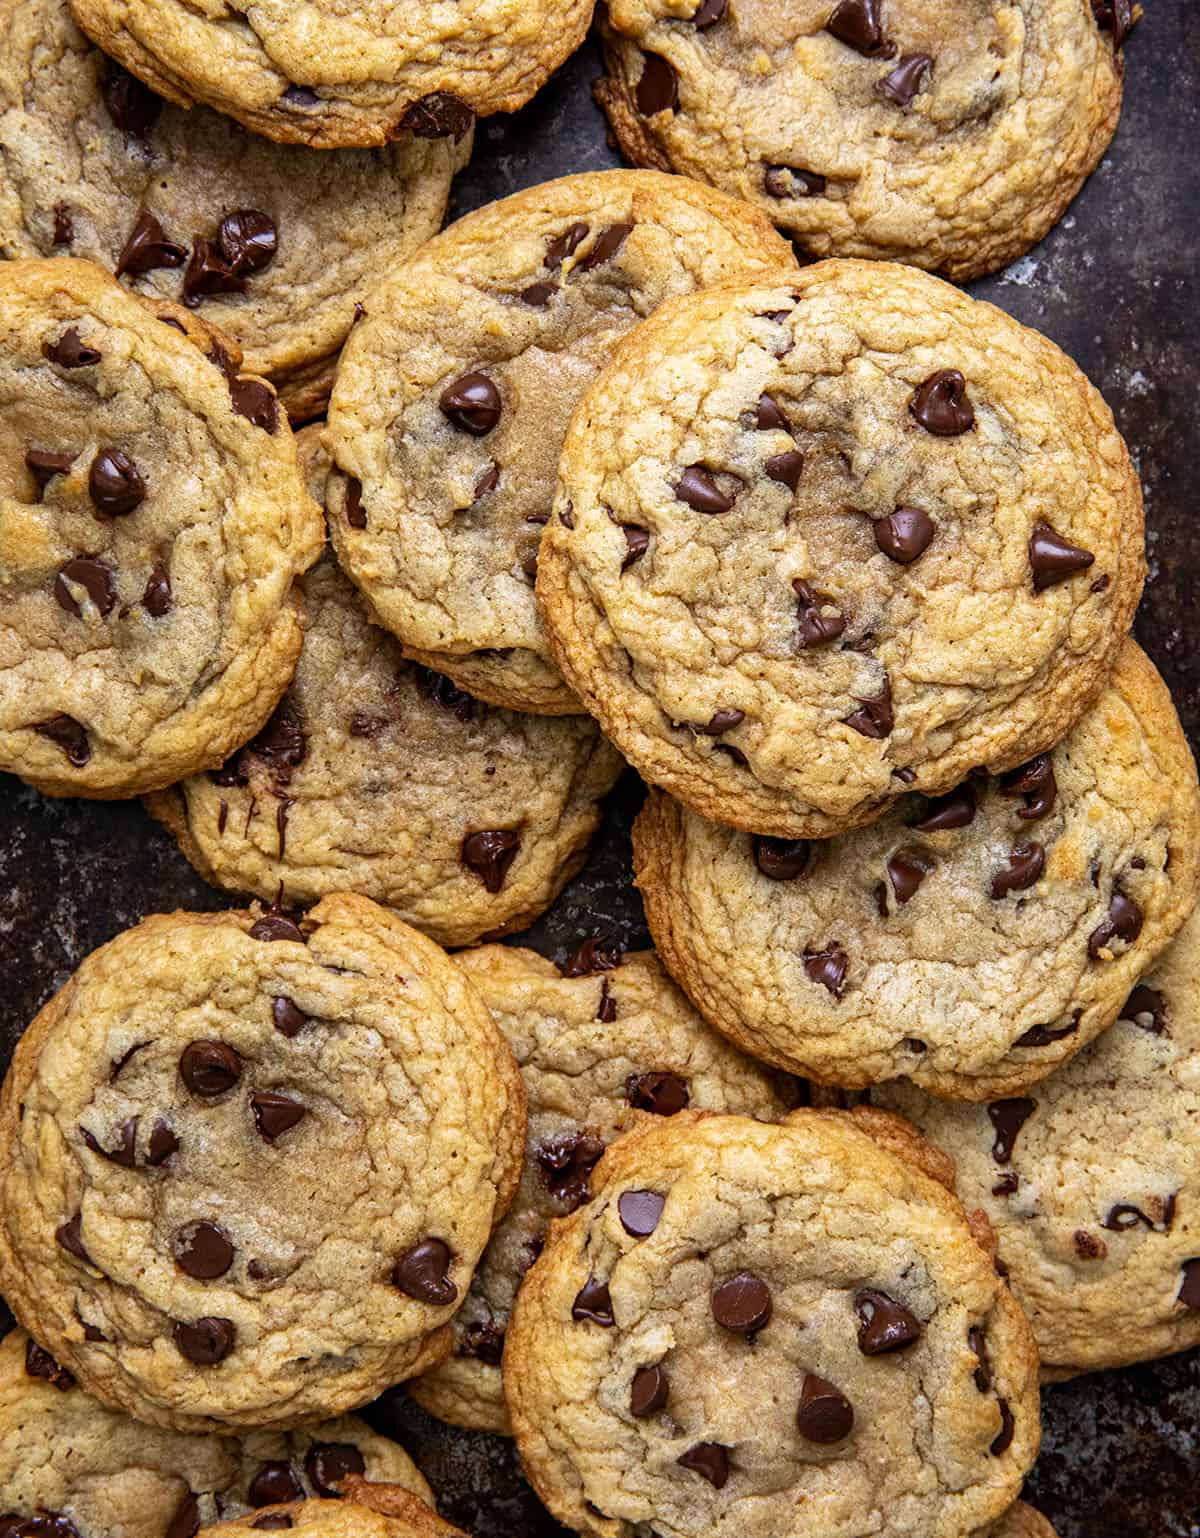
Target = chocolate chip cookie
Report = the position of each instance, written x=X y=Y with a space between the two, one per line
x=826 y=539
x=949 y=135
x=453 y=395
x=1021 y=1521
x=152 y=520
x=970 y=942
x=329 y=74
x=1092 y=1178
x=367 y=1510
x=96 y=1473
x=378 y=776
x=784 y=1328
x=606 y=1045
x=247 y=1165
x=273 y=244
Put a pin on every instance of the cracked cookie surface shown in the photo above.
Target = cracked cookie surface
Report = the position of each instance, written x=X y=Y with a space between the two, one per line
x=820 y=540
x=152 y=521
x=99 y=1474
x=377 y=776
x=951 y=134
x=454 y=392
x=273 y=244
x=366 y=1509
x=789 y=1328
x=327 y=74
x=970 y=942
x=604 y=1046
x=1092 y=1179
x=247 y=1168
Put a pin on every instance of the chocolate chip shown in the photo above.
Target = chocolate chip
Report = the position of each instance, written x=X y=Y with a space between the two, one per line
x=538 y=295
x=637 y=542
x=96 y=579
x=708 y=1459
x=828 y=967
x=248 y=240
x=785 y=468
x=908 y=77
x=876 y=718
x=209 y=1068
x=156 y=599
x=708 y=13
x=639 y=1212
x=883 y=1324
x=814 y=626
x=69 y=1236
x=1125 y=1216
x=721 y=721
x=824 y=1415
x=124 y=1153
x=565 y=1163
x=592 y=956
x=782 y=859
x=64 y=229
x=282 y=745
x=649 y=1391
x=559 y=247
x=40 y=1364
x=592 y=1302
x=132 y=106
x=941 y=405
x=208 y=273
x=1024 y=867
x=207 y=1341
x=734 y=753
x=185 y=1522
x=203 y=1250
x=442 y=692
x=274 y=1484
x=742 y=1305
x=302 y=96
x=440 y=115
x=1053 y=559
x=1124 y=922
x=328 y=1464
x=1189 y=1292
x=697 y=487
x=1007 y=1185
x=163 y=1143
x=355 y=515
x=121 y=1063
x=274 y=1114
x=276 y=926
x=792 y=182
x=148 y=247
x=1008 y=1117
x=983 y=1372
x=484 y=1341
x=606 y=1010
x=1117 y=17
x=423 y=1273
x=905 y=534
x=662 y=1094
x=255 y=400
x=906 y=870
x=490 y=853
x=608 y=243
x=1034 y=782
x=956 y=810
x=115 y=484
x=1087 y=1246
x=1007 y=1426
x=658 y=88
x=70 y=352
x=856 y=23
x=1147 y=1008
x=289 y=1019
x=567 y=516
x=768 y=415
x=44 y=465
x=1043 y=1035
x=473 y=403
x=69 y=735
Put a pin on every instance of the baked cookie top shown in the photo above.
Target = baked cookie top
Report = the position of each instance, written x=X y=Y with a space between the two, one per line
x=364 y=1509
x=273 y=244
x=327 y=74
x=970 y=942
x=152 y=520
x=1092 y=1179
x=605 y=1045
x=790 y=1328
x=247 y=1166
x=453 y=395
x=1021 y=1521
x=823 y=539
x=99 y=1474
x=951 y=134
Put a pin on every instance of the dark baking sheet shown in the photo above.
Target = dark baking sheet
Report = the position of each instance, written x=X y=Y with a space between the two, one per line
x=1117 y=286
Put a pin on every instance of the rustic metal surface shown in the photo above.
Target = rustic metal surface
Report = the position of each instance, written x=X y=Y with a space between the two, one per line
x=1116 y=285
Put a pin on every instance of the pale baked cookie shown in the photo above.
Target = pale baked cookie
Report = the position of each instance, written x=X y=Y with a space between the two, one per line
x=970 y=942
x=1021 y=1521
x=329 y=74
x=377 y=776
x=787 y=1329
x=273 y=244
x=605 y=1046
x=951 y=134
x=1092 y=1179
x=453 y=395
x=820 y=540
x=98 y=1474
x=365 y=1509
x=247 y=1166
x=152 y=520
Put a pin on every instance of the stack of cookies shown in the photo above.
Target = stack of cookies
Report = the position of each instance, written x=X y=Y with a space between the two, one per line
x=775 y=1227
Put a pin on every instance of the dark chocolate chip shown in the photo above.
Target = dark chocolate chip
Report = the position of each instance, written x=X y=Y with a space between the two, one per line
x=662 y=1094
x=782 y=859
x=69 y=1236
x=274 y=1484
x=567 y=516
x=1008 y=1117
x=883 y=1324
x=207 y=1341
x=768 y=415
x=538 y=295
x=288 y=1018
x=1035 y=783
x=637 y=542
x=983 y=1372
x=484 y=1341
x=941 y=405
x=592 y=1302
x=606 y=1010
x=824 y=1415
x=94 y=576
x=857 y=24
x=559 y=247
x=490 y=853
x=40 y=1364
x=163 y=1143
x=1147 y=1007
x=148 y=247
x=905 y=534
x=328 y=1464
x=1189 y=1292
x=828 y=967
x=1023 y=868
x=658 y=88
x=785 y=468
x=255 y=400
x=956 y=810
x=203 y=1250
x=115 y=484
x=208 y=273
x=44 y=465
x=276 y=926
x=64 y=228
x=489 y=479
x=70 y=352
x=209 y=1068
x=722 y=721
x=132 y=106
x=248 y=240
x=698 y=488
x=906 y=869
x=908 y=77
x=473 y=403
x=442 y=692
x=440 y=115
x=423 y=1272
x=185 y=1522
x=792 y=182
x=124 y=1153
x=274 y=1114
x=69 y=735
x=876 y=717
x=1007 y=1184
x=592 y=956
x=639 y=1212
x=565 y=1163
x=814 y=626
x=156 y=598
x=708 y=13
x=355 y=514
x=708 y=1459
x=1124 y=922
x=608 y=243
x=1004 y=1437
x=649 y=1391
x=1117 y=17
x=1125 y=1216
x=1043 y=1035
x=742 y=1305
x=1053 y=559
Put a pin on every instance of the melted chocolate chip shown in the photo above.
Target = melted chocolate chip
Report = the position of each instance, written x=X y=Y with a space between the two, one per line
x=147 y=247
x=276 y=926
x=69 y=1236
x=422 y=1272
x=132 y=106
x=785 y=468
x=208 y=273
x=1007 y=1184
x=1008 y=1117
x=255 y=400
x=1043 y=1035
x=94 y=576
x=115 y=484
x=163 y=1143
x=637 y=542
x=742 y=1305
x=824 y=1415
x=274 y=1484
x=289 y=1020
x=1189 y=1292
x=70 y=352
x=483 y=1340
x=608 y=243
x=1124 y=922
x=248 y=240
x=565 y=1163
x=1053 y=559
x=69 y=735
x=1117 y=17
x=592 y=956
x=857 y=24
x=592 y=1302
x=440 y=115
x=792 y=182
x=209 y=1068
x=356 y=515
x=941 y=405
x=442 y=692
x=1125 y=1216
x=722 y=721
x=782 y=859
x=606 y=1010
x=708 y=1459
x=639 y=1212
x=40 y=1364
x=473 y=403
x=559 y=247
x=1035 y=783
x=1147 y=1008
x=956 y=810
x=768 y=415
x=156 y=598
x=883 y=1324
x=489 y=854
x=828 y=967
x=124 y=1154
x=1004 y=1438
x=538 y=295
x=1023 y=868
x=977 y=1341
x=274 y=1114
x=328 y=1464
x=814 y=625
x=64 y=229
x=44 y=465
x=662 y=1094
x=708 y=13
x=185 y=1522
x=207 y=1341
x=906 y=870
x=698 y=488
x=876 y=717
x=658 y=88
x=648 y=1392
x=908 y=77
x=905 y=534
x=203 y=1250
